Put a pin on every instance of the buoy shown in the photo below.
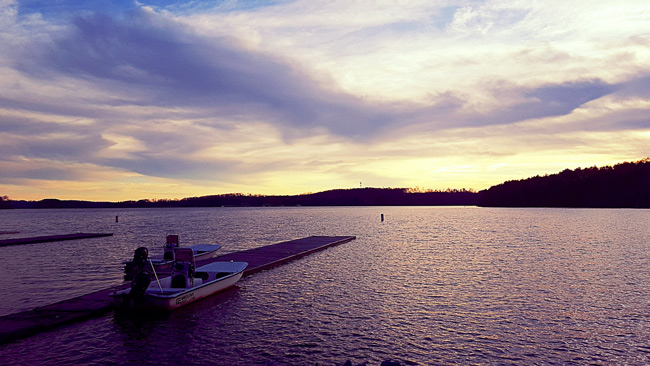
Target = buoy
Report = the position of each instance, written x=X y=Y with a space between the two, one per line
x=382 y=217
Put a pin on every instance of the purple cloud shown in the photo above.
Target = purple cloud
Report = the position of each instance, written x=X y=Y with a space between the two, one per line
x=165 y=64
x=154 y=61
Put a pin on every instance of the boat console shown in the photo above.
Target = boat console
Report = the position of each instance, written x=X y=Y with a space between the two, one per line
x=170 y=247
x=183 y=269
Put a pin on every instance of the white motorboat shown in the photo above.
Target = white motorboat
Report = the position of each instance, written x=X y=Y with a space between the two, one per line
x=141 y=258
x=185 y=285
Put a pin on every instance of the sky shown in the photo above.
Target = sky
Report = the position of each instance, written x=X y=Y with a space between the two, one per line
x=127 y=100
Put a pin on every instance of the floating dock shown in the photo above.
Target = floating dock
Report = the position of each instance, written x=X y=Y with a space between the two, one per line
x=49 y=238
x=26 y=323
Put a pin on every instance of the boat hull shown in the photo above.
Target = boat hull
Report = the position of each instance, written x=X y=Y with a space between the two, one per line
x=168 y=299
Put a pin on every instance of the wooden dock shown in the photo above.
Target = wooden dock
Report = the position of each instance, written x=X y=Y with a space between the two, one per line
x=24 y=324
x=50 y=238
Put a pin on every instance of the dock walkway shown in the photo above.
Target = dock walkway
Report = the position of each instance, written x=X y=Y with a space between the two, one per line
x=26 y=323
x=50 y=238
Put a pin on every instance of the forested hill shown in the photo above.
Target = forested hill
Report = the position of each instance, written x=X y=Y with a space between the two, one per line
x=621 y=186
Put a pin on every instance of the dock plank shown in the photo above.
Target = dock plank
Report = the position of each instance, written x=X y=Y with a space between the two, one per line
x=27 y=323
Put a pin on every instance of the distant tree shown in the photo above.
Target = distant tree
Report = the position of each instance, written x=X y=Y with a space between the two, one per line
x=4 y=202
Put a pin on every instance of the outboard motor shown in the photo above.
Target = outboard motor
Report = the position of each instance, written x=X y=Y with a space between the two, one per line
x=140 y=257
x=183 y=269
x=139 y=285
x=138 y=263
x=170 y=247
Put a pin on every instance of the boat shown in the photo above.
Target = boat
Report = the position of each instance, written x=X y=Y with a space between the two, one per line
x=185 y=285
x=141 y=258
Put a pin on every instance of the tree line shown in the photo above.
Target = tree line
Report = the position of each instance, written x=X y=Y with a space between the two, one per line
x=624 y=185
x=336 y=197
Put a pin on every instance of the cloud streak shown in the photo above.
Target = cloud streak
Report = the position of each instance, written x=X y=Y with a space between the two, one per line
x=151 y=60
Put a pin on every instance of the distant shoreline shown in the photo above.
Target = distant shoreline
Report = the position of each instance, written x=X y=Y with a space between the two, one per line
x=341 y=197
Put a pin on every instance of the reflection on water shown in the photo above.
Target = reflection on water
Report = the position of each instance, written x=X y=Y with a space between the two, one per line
x=428 y=285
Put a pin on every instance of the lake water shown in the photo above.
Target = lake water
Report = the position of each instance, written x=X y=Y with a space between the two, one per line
x=428 y=286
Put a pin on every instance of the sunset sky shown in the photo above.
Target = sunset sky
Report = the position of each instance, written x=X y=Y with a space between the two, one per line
x=126 y=100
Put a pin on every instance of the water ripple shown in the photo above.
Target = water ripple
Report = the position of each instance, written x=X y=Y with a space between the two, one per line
x=427 y=286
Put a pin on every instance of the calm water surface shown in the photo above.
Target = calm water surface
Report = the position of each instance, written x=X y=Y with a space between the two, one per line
x=427 y=286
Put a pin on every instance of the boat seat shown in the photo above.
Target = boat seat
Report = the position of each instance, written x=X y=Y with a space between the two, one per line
x=178 y=281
